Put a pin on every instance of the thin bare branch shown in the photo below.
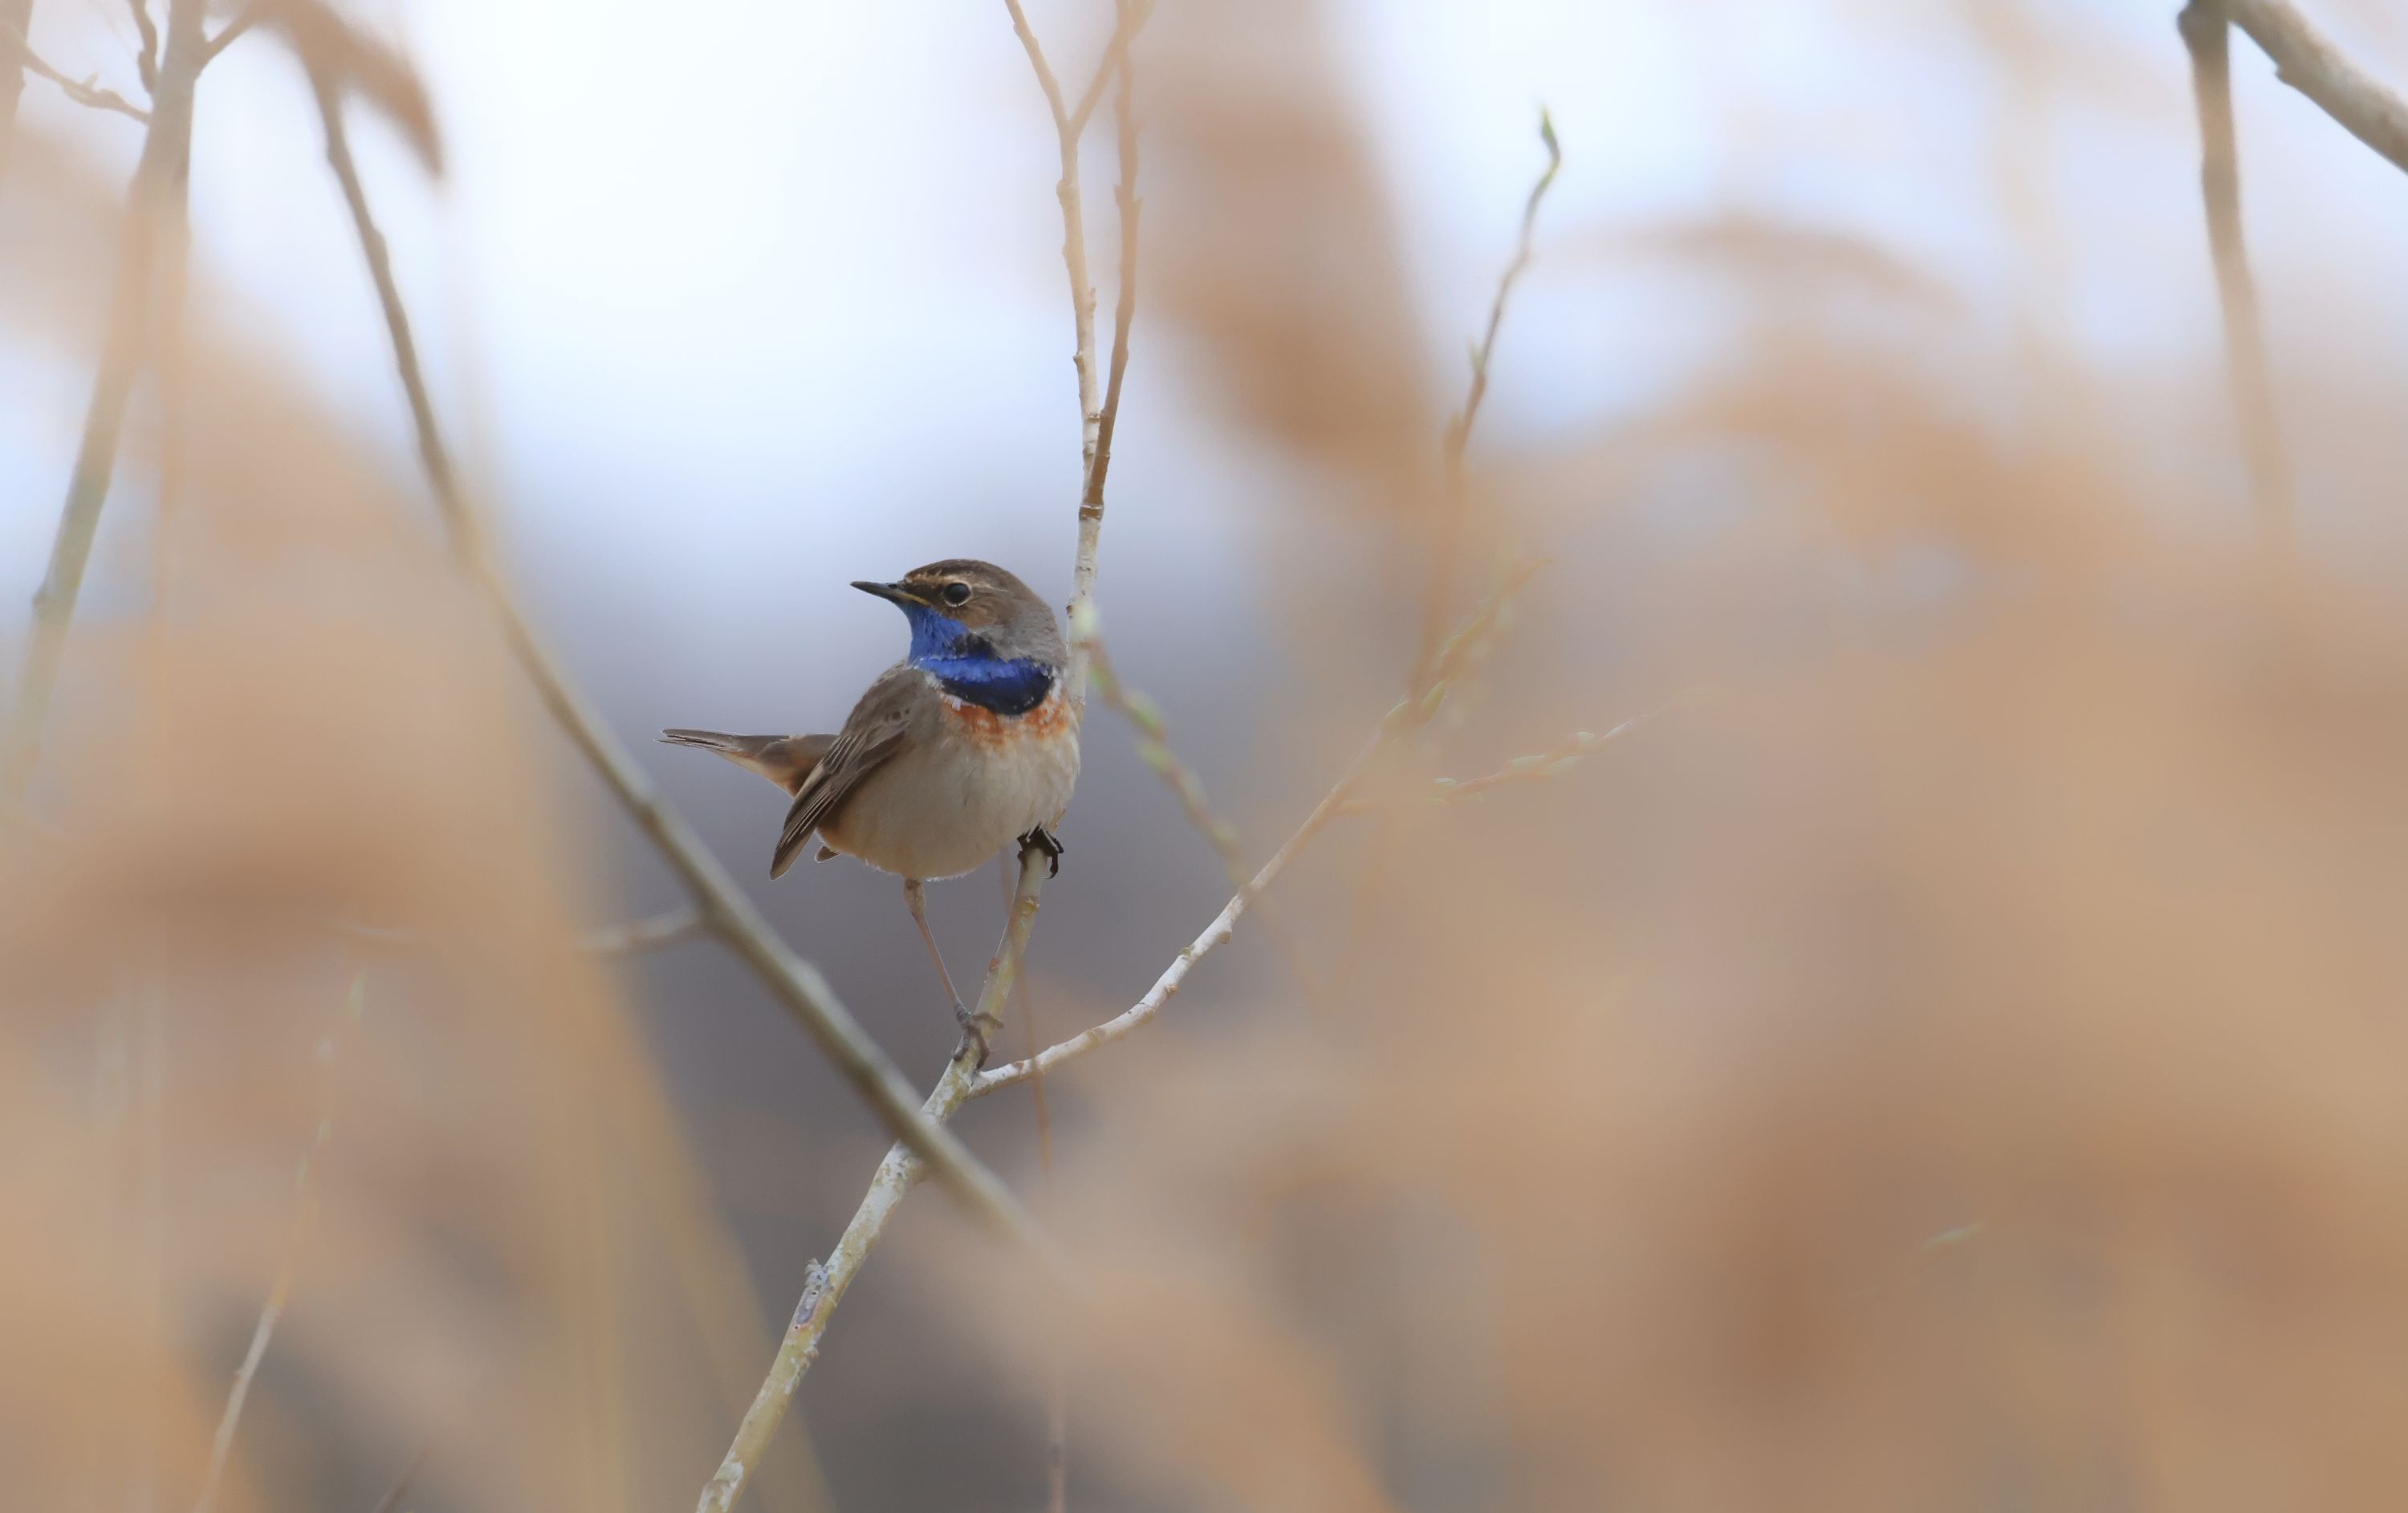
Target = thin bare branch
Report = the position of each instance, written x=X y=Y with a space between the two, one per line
x=1539 y=768
x=1057 y=1365
x=1457 y=658
x=797 y=983
x=83 y=92
x=1096 y=417
x=156 y=197
x=2205 y=32
x=2307 y=59
x=1101 y=435
x=1446 y=539
x=1154 y=749
x=1224 y=924
x=896 y=1177
x=296 y=1243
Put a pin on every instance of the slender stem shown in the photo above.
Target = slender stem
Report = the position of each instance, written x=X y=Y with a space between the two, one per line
x=1097 y=417
x=896 y=1177
x=1446 y=538
x=1057 y=1364
x=1457 y=658
x=1154 y=749
x=798 y=984
x=158 y=177
x=2205 y=33
x=305 y=1221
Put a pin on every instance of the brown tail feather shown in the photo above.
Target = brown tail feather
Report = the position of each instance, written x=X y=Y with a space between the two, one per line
x=784 y=760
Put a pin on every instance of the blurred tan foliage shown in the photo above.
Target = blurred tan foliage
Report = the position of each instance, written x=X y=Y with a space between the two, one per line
x=1959 y=1063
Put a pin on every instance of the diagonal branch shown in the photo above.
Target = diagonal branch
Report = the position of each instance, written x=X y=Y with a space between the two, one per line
x=797 y=983
x=2305 y=59
x=154 y=202
x=2205 y=32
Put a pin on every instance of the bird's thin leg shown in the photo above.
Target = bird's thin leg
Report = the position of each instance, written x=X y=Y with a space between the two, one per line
x=974 y=1032
x=1043 y=839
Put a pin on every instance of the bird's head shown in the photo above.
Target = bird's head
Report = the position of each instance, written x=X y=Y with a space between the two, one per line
x=964 y=609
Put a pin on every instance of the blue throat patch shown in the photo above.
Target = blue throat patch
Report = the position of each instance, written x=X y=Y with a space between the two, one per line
x=964 y=664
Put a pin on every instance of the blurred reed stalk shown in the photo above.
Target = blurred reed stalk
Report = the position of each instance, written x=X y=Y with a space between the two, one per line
x=155 y=211
x=2206 y=34
x=795 y=981
x=2308 y=61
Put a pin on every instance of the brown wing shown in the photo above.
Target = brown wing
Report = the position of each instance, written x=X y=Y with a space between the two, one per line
x=784 y=760
x=872 y=733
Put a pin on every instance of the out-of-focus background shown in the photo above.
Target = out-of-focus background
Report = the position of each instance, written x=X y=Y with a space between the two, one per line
x=1954 y=1057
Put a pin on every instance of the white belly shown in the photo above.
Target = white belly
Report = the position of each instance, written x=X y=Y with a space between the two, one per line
x=954 y=799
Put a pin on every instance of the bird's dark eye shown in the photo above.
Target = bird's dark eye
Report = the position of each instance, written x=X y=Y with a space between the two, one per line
x=957 y=595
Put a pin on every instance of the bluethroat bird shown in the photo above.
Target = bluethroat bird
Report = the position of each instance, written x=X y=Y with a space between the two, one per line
x=967 y=743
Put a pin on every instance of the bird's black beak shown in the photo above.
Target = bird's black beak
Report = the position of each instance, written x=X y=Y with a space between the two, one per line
x=891 y=592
